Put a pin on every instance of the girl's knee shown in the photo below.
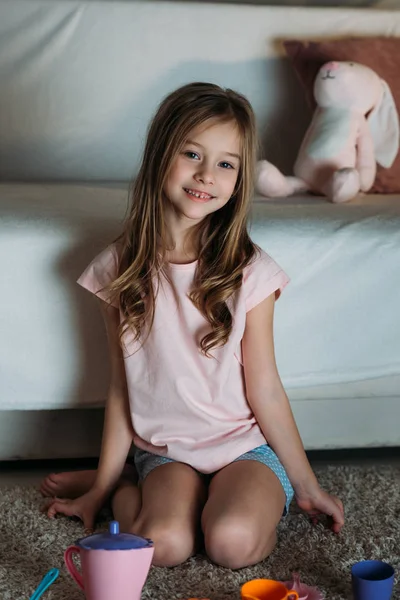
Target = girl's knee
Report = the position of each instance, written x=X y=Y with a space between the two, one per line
x=173 y=543
x=125 y=504
x=236 y=543
x=122 y=486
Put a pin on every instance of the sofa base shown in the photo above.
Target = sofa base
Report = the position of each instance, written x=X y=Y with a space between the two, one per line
x=324 y=424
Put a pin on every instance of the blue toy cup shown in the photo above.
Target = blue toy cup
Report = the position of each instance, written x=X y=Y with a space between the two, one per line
x=372 y=580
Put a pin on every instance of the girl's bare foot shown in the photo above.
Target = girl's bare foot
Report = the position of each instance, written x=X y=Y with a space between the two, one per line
x=68 y=485
x=73 y=484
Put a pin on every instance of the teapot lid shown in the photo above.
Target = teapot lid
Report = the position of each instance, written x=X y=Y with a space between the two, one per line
x=114 y=540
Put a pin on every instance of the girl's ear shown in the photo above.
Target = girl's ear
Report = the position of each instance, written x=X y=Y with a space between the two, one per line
x=383 y=122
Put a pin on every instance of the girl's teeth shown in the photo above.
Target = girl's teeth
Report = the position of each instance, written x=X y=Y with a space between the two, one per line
x=201 y=196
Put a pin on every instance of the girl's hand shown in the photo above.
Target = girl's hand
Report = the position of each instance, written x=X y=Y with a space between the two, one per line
x=318 y=502
x=85 y=507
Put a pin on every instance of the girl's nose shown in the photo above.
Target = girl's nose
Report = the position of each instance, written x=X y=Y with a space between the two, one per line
x=332 y=66
x=205 y=176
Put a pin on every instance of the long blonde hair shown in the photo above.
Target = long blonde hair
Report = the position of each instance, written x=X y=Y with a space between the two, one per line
x=225 y=248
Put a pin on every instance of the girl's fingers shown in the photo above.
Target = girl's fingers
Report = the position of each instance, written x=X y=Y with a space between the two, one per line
x=69 y=508
x=340 y=505
x=88 y=523
x=338 y=517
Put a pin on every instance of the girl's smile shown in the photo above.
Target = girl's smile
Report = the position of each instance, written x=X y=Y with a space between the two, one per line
x=198 y=195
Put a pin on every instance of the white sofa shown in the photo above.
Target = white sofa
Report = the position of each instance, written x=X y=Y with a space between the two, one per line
x=79 y=82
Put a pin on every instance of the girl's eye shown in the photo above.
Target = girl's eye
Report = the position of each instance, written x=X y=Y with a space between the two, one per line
x=226 y=165
x=191 y=154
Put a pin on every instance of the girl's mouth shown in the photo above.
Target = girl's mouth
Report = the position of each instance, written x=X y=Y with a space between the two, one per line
x=198 y=196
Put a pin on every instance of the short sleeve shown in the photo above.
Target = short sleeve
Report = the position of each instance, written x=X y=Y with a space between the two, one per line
x=101 y=272
x=261 y=278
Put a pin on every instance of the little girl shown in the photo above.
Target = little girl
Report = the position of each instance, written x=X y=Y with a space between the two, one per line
x=188 y=303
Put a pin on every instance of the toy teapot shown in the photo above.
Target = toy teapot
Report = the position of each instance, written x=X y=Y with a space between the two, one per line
x=114 y=565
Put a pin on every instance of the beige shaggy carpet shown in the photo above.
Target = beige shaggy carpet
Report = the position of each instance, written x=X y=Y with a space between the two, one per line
x=30 y=544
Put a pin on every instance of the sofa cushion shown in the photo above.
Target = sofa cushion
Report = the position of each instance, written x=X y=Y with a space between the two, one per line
x=335 y=323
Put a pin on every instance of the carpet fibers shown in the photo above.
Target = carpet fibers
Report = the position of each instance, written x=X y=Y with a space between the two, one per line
x=31 y=544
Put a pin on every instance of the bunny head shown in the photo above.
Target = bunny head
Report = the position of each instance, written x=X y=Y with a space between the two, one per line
x=355 y=87
x=347 y=85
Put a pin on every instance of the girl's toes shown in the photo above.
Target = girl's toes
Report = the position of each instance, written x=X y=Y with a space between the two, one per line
x=46 y=492
x=54 y=480
x=48 y=487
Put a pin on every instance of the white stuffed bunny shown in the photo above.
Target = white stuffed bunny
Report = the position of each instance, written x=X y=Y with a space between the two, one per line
x=355 y=126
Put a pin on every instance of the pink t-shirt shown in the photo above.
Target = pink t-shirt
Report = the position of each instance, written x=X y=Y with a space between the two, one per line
x=184 y=405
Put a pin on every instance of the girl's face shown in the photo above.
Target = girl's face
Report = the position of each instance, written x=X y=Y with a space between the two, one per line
x=203 y=176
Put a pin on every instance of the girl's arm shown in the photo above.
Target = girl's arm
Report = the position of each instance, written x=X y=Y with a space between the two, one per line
x=117 y=436
x=271 y=408
x=117 y=431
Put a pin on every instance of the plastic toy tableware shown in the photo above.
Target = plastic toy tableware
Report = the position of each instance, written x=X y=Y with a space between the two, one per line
x=46 y=582
x=266 y=589
x=305 y=592
x=372 y=580
x=114 y=565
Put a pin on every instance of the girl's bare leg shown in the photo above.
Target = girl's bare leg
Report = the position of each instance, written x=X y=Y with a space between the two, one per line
x=245 y=504
x=126 y=504
x=172 y=498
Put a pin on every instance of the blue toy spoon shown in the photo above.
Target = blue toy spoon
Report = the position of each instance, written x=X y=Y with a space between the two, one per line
x=46 y=582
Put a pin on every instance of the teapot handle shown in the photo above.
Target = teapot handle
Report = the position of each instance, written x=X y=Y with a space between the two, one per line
x=71 y=567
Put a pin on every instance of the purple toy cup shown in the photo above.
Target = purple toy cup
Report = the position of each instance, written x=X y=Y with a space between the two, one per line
x=372 y=580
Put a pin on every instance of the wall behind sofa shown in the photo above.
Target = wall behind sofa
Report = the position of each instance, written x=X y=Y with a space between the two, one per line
x=80 y=80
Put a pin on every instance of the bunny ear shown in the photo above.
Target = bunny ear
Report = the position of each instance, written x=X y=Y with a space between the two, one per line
x=383 y=122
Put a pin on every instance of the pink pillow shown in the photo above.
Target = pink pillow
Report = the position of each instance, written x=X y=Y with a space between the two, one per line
x=382 y=54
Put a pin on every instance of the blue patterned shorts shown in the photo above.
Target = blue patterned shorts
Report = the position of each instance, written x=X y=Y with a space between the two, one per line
x=145 y=462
